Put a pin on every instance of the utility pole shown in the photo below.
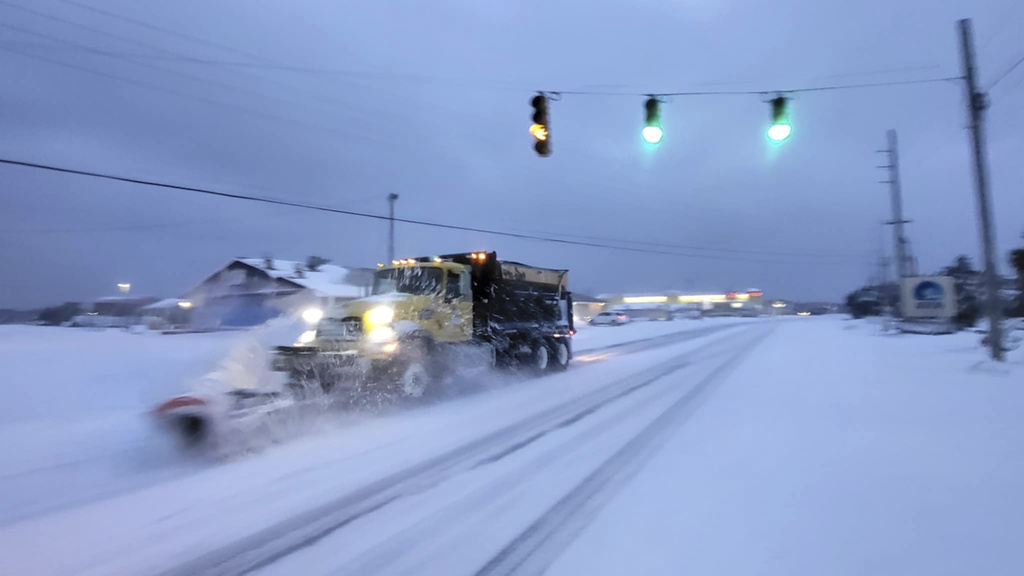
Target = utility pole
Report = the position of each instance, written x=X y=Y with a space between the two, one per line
x=976 y=104
x=883 y=275
x=391 y=226
x=901 y=251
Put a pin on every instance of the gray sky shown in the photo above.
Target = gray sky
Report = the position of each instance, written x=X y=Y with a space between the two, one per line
x=437 y=110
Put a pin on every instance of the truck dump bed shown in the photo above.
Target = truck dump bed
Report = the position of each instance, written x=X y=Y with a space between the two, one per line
x=509 y=296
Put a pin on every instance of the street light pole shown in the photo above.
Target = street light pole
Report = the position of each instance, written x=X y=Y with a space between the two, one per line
x=976 y=104
x=391 y=226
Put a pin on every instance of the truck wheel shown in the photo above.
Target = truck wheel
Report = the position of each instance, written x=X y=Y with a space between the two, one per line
x=539 y=358
x=414 y=380
x=559 y=355
x=423 y=368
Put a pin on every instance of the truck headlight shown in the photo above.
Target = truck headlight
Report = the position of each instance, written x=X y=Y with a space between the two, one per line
x=306 y=337
x=381 y=334
x=312 y=315
x=380 y=315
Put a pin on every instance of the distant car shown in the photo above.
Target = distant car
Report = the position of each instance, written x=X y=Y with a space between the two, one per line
x=609 y=319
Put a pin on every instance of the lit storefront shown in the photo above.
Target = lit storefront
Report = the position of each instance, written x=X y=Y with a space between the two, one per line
x=745 y=302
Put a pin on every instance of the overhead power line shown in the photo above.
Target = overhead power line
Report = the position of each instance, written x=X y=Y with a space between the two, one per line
x=706 y=248
x=425 y=223
x=346 y=113
x=151 y=26
x=145 y=60
x=502 y=84
x=1005 y=74
x=258 y=61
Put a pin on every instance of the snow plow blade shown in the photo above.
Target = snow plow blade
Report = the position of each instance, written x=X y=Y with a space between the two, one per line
x=188 y=419
x=211 y=422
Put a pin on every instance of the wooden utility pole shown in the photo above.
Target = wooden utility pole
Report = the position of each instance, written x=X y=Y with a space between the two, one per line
x=976 y=104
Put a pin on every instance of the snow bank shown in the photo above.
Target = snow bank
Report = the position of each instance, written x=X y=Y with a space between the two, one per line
x=834 y=449
x=75 y=422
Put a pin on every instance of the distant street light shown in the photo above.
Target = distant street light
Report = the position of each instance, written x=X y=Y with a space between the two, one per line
x=124 y=287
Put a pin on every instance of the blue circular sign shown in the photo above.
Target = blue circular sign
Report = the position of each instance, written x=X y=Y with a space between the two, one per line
x=929 y=291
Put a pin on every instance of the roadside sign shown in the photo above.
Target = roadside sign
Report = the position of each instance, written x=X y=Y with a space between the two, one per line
x=928 y=297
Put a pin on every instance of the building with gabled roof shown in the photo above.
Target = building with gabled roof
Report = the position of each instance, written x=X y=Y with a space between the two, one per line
x=250 y=291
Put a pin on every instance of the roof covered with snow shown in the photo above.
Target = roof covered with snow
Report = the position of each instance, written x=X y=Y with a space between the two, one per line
x=326 y=280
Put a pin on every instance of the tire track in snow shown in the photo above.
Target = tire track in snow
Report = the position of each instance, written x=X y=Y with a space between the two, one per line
x=655 y=342
x=487 y=502
x=537 y=547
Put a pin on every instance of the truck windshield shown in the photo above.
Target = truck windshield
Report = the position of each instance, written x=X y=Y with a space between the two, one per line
x=414 y=280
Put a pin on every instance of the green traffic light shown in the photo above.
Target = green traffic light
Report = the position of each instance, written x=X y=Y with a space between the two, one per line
x=652 y=134
x=780 y=128
x=779 y=132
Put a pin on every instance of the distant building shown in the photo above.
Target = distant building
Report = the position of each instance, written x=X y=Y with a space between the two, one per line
x=114 y=312
x=250 y=291
x=669 y=304
x=585 y=307
x=169 y=313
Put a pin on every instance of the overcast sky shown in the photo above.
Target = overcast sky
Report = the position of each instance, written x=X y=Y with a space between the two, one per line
x=430 y=100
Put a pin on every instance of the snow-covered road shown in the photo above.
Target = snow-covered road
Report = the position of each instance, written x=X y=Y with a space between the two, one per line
x=801 y=446
x=75 y=425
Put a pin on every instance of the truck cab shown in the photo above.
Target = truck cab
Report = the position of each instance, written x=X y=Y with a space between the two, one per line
x=433 y=313
x=427 y=299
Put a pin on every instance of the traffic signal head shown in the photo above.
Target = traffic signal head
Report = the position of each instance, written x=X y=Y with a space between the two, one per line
x=652 y=132
x=780 y=128
x=539 y=129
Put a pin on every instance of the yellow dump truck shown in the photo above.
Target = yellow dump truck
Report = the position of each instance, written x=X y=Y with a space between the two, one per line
x=428 y=316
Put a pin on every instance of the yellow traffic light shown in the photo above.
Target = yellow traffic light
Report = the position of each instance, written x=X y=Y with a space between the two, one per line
x=539 y=129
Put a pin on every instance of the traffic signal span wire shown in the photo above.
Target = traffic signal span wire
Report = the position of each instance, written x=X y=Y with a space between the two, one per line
x=425 y=223
x=762 y=92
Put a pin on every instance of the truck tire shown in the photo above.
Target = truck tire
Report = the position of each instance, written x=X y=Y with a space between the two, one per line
x=559 y=355
x=540 y=357
x=423 y=367
x=414 y=381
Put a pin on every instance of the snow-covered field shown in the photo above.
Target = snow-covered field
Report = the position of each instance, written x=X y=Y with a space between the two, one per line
x=798 y=446
x=74 y=424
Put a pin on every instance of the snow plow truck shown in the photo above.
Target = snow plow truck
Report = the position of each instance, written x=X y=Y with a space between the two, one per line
x=428 y=316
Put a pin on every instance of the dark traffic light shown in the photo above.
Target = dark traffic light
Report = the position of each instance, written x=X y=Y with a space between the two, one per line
x=539 y=129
